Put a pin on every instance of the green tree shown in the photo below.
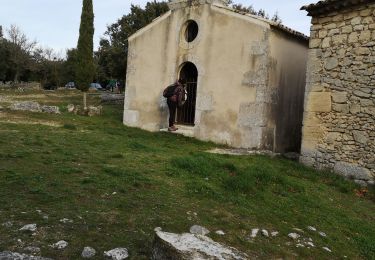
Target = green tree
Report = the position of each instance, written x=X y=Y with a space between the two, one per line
x=113 y=50
x=85 y=60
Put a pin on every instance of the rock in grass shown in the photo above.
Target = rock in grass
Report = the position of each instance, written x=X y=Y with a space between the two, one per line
x=70 y=108
x=26 y=106
x=293 y=235
x=66 y=220
x=265 y=233
x=88 y=252
x=199 y=230
x=157 y=229
x=17 y=256
x=311 y=228
x=327 y=249
x=220 y=232
x=7 y=224
x=274 y=233
x=311 y=244
x=50 y=109
x=254 y=232
x=322 y=234
x=298 y=230
x=60 y=245
x=191 y=246
x=29 y=227
x=32 y=250
x=117 y=254
x=95 y=111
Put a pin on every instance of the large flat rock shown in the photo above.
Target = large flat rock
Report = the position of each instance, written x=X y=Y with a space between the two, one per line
x=16 y=256
x=191 y=247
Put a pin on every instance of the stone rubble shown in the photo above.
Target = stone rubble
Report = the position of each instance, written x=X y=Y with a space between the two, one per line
x=50 y=109
x=17 y=256
x=117 y=254
x=30 y=106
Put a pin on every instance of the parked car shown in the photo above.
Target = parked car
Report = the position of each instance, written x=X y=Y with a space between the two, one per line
x=70 y=85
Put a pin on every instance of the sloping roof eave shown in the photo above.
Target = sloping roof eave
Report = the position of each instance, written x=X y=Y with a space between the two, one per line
x=327 y=6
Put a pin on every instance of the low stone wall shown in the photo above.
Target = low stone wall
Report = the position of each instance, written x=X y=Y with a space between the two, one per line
x=24 y=85
x=339 y=119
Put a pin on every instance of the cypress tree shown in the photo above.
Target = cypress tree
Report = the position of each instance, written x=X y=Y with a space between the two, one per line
x=85 y=61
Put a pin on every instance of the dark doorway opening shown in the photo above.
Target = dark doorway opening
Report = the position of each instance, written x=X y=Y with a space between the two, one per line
x=186 y=114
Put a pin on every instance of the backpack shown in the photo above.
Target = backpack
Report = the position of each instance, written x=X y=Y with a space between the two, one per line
x=169 y=91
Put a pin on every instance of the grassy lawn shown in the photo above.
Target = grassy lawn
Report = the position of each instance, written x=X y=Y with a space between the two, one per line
x=118 y=183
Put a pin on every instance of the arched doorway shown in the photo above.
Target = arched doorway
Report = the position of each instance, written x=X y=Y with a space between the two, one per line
x=186 y=114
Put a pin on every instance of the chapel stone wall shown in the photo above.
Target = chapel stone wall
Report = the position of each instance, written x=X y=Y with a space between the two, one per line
x=339 y=117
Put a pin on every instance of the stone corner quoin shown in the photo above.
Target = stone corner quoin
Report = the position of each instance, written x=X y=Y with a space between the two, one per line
x=339 y=118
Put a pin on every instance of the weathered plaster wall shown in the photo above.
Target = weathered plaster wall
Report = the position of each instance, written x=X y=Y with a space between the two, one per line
x=232 y=55
x=339 y=119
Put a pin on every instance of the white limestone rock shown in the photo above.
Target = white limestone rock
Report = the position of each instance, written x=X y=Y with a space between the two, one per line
x=293 y=236
x=88 y=252
x=30 y=106
x=327 y=249
x=29 y=227
x=50 y=109
x=70 y=108
x=191 y=246
x=17 y=256
x=274 y=233
x=265 y=233
x=322 y=234
x=199 y=230
x=66 y=220
x=311 y=228
x=254 y=232
x=60 y=245
x=220 y=232
x=117 y=254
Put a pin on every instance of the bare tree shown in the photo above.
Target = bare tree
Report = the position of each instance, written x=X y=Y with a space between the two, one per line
x=21 y=49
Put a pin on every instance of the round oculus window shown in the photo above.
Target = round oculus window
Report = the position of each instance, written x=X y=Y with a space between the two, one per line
x=191 y=30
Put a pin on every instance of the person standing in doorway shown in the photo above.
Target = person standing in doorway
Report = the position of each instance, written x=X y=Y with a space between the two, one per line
x=173 y=101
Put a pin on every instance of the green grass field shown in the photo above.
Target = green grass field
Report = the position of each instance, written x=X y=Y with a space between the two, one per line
x=118 y=183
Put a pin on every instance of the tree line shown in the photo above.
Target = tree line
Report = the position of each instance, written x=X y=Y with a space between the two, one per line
x=22 y=59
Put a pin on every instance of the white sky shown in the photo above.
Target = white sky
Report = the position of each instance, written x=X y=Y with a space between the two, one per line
x=55 y=23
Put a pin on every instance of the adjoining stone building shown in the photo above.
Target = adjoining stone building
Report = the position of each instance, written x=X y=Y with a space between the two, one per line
x=339 y=117
x=246 y=76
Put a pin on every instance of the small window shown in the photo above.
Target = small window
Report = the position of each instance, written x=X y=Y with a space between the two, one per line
x=191 y=31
